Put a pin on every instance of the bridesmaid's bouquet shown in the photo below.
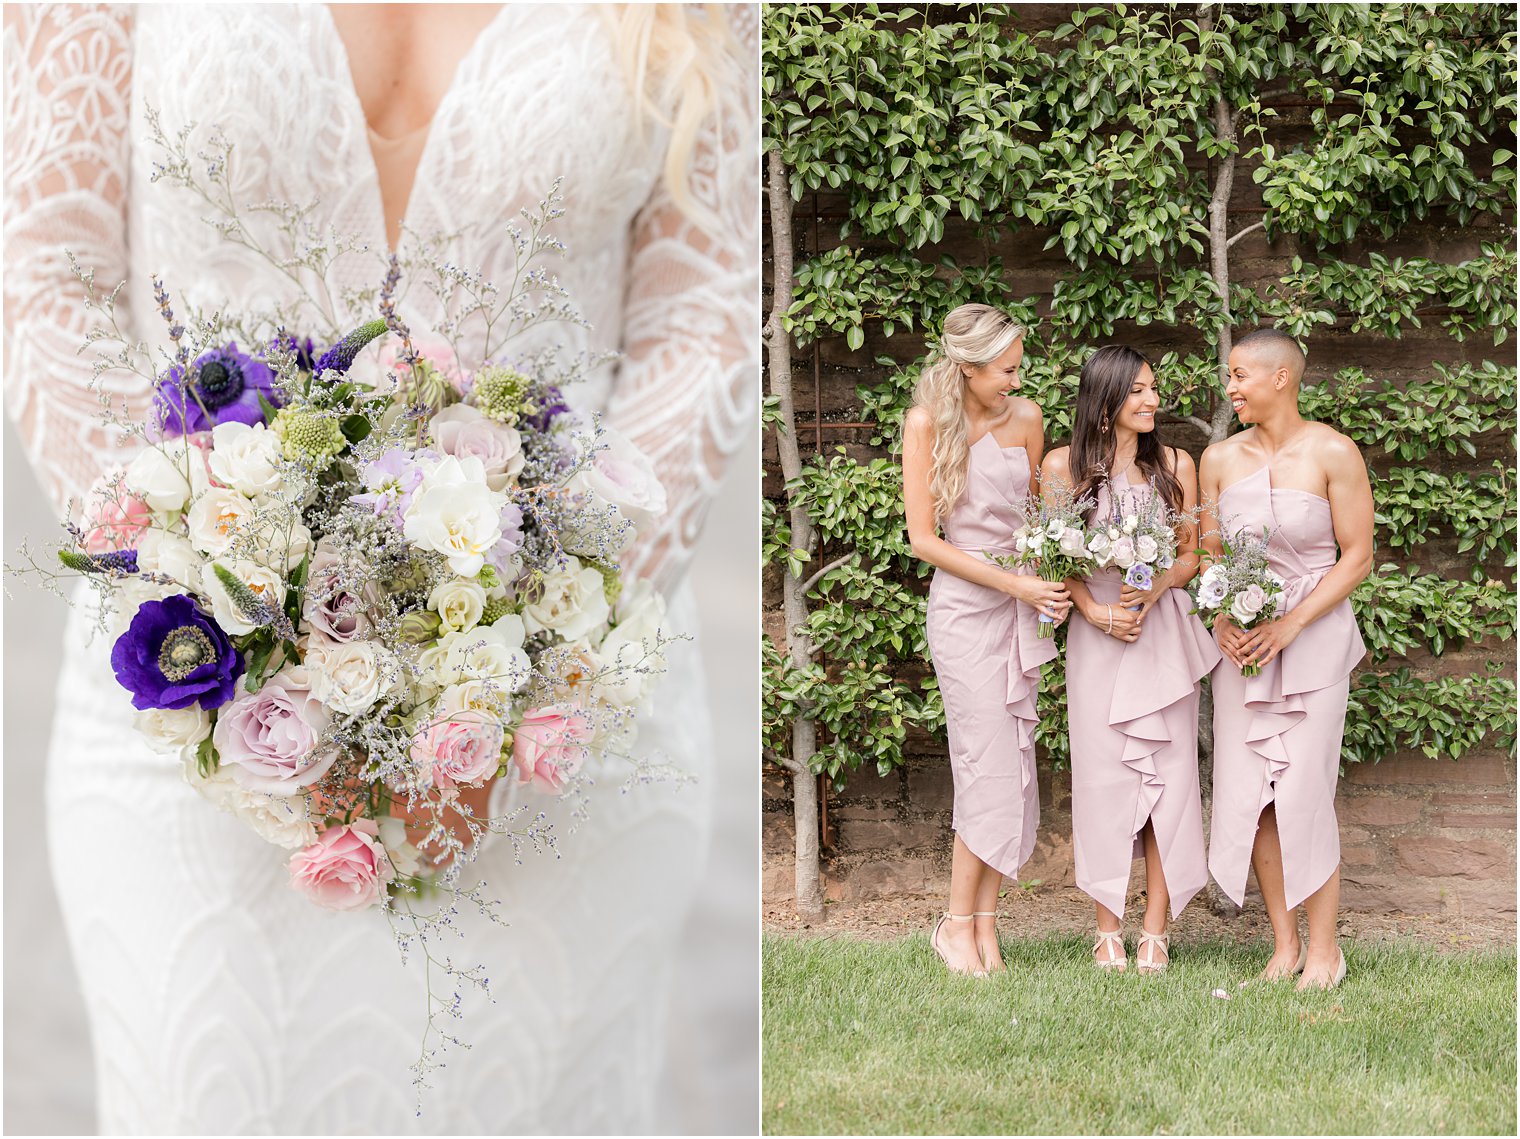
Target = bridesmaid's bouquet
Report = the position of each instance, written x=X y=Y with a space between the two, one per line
x=1141 y=544
x=1239 y=582
x=1053 y=539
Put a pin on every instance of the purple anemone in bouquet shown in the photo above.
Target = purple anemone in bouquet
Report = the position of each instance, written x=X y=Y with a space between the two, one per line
x=1139 y=537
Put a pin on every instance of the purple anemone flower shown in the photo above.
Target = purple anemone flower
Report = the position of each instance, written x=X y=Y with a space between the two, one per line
x=1138 y=576
x=224 y=386
x=553 y=405
x=173 y=656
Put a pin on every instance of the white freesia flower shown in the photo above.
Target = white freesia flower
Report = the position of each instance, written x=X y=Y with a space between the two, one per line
x=458 y=603
x=631 y=647
x=277 y=819
x=166 y=475
x=349 y=677
x=215 y=518
x=573 y=603
x=456 y=514
x=246 y=458
x=1146 y=548
x=265 y=582
x=169 y=730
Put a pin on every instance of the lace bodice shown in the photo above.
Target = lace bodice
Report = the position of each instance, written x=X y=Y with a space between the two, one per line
x=675 y=299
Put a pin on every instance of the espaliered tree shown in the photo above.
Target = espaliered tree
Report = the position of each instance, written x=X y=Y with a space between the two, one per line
x=1189 y=167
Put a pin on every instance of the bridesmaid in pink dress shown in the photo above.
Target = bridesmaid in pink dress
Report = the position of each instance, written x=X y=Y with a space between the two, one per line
x=1277 y=735
x=1132 y=668
x=969 y=456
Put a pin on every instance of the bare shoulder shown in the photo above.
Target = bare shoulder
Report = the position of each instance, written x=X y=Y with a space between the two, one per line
x=1332 y=448
x=1025 y=412
x=1217 y=457
x=1182 y=462
x=1058 y=462
x=917 y=423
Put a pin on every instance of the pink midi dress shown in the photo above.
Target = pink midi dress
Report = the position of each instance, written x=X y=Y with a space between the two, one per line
x=1277 y=736
x=987 y=656
x=1133 y=711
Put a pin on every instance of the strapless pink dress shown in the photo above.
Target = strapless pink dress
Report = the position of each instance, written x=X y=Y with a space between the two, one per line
x=1133 y=709
x=987 y=655
x=1277 y=736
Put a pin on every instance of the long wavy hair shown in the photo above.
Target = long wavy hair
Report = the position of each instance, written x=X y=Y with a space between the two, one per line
x=973 y=334
x=674 y=57
x=1106 y=380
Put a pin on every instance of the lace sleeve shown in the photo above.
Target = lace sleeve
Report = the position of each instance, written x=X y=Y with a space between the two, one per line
x=68 y=77
x=685 y=393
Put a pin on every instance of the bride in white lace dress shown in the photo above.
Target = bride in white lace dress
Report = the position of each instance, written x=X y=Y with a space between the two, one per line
x=220 y=1001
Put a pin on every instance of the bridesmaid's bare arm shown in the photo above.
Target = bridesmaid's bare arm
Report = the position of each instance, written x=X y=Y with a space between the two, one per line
x=923 y=531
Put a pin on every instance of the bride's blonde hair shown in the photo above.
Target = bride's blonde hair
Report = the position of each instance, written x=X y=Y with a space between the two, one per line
x=674 y=56
x=973 y=334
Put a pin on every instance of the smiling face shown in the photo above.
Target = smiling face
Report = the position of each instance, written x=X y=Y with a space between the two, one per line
x=987 y=383
x=1256 y=383
x=1138 y=411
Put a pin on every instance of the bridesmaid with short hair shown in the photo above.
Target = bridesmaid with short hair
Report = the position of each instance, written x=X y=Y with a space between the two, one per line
x=1133 y=664
x=970 y=453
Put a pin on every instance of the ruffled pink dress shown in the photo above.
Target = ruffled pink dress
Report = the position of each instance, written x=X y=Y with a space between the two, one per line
x=987 y=655
x=1133 y=709
x=1277 y=736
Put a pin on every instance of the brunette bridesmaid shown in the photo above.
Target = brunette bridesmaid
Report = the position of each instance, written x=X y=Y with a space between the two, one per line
x=970 y=453
x=1277 y=735
x=1132 y=667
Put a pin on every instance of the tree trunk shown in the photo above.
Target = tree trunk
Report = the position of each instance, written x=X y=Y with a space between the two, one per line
x=778 y=346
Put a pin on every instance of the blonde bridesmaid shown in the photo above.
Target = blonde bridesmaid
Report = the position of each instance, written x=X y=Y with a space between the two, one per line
x=1133 y=664
x=1277 y=735
x=970 y=452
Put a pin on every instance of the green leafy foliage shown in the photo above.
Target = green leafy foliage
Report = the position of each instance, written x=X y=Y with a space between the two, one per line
x=1447 y=717
x=1414 y=504
x=865 y=617
x=858 y=504
x=1400 y=610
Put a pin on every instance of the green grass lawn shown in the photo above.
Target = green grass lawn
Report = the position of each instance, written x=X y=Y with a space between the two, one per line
x=876 y=1037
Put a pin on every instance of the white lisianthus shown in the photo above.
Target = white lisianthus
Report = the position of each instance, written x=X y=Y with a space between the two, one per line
x=265 y=582
x=159 y=551
x=459 y=603
x=1131 y=523
x=349 y=677
x=492 y=653
x=1146 y=548
x=622 y=475
x=631 y=647
x=214 y=519
x=168 y=730
x=166 y=475
x=456 y=514
x=277 y=819
x=573 y=603
x=1037 y=541
x=246 y=458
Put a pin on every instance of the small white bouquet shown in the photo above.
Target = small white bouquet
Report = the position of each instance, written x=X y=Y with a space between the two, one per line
x=1142 y=543
x=1239 y=582
x=1054 y=540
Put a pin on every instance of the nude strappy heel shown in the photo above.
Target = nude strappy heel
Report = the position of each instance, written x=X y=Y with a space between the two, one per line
x=934 y=944
x=1111 y=964
x=1149 y=965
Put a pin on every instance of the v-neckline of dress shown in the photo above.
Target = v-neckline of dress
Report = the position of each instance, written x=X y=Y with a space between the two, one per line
x=345 y=74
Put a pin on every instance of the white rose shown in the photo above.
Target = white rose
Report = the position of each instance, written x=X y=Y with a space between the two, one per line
x=459 y=603
x=215 y=518
x=277 y=819
x=265 y=582
x=573 y=603
x=622 y=475
x=246 y=458
x=281 y=538
x=349 y=677
x=128 y=596
x=1146 y=547
x=168 y=730
x=465 y=432
x=1124 y=553
x=165 y=475
x=456 y=514
x=1071 y=543
x=1239 y=613
x=1131 y=522
x=631 y=647
x=159 y=551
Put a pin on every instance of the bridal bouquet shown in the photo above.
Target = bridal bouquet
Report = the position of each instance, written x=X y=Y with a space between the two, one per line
x=1240 y=583
x=1054 y=540
x=1141 y=544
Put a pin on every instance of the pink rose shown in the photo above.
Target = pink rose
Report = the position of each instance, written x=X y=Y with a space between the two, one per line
x=336 y=615
x=113 y=518
x=267 y=736
x=345 y=869
x=459 y=747
x=463 y=432
x=550 y=746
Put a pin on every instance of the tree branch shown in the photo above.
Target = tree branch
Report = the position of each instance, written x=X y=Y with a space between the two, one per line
x=770 y=756
x=1248 y=229
x=807 y=586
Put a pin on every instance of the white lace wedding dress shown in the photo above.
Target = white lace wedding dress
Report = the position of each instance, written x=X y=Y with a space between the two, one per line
x=220 y=1000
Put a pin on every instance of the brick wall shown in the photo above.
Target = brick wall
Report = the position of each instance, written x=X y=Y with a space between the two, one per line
x=1419 y=835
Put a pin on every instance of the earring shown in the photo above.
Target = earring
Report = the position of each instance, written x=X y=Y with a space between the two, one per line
x=1103 y=425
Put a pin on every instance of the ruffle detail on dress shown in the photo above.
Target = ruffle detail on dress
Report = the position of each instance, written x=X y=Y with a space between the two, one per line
x=1273 y=714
